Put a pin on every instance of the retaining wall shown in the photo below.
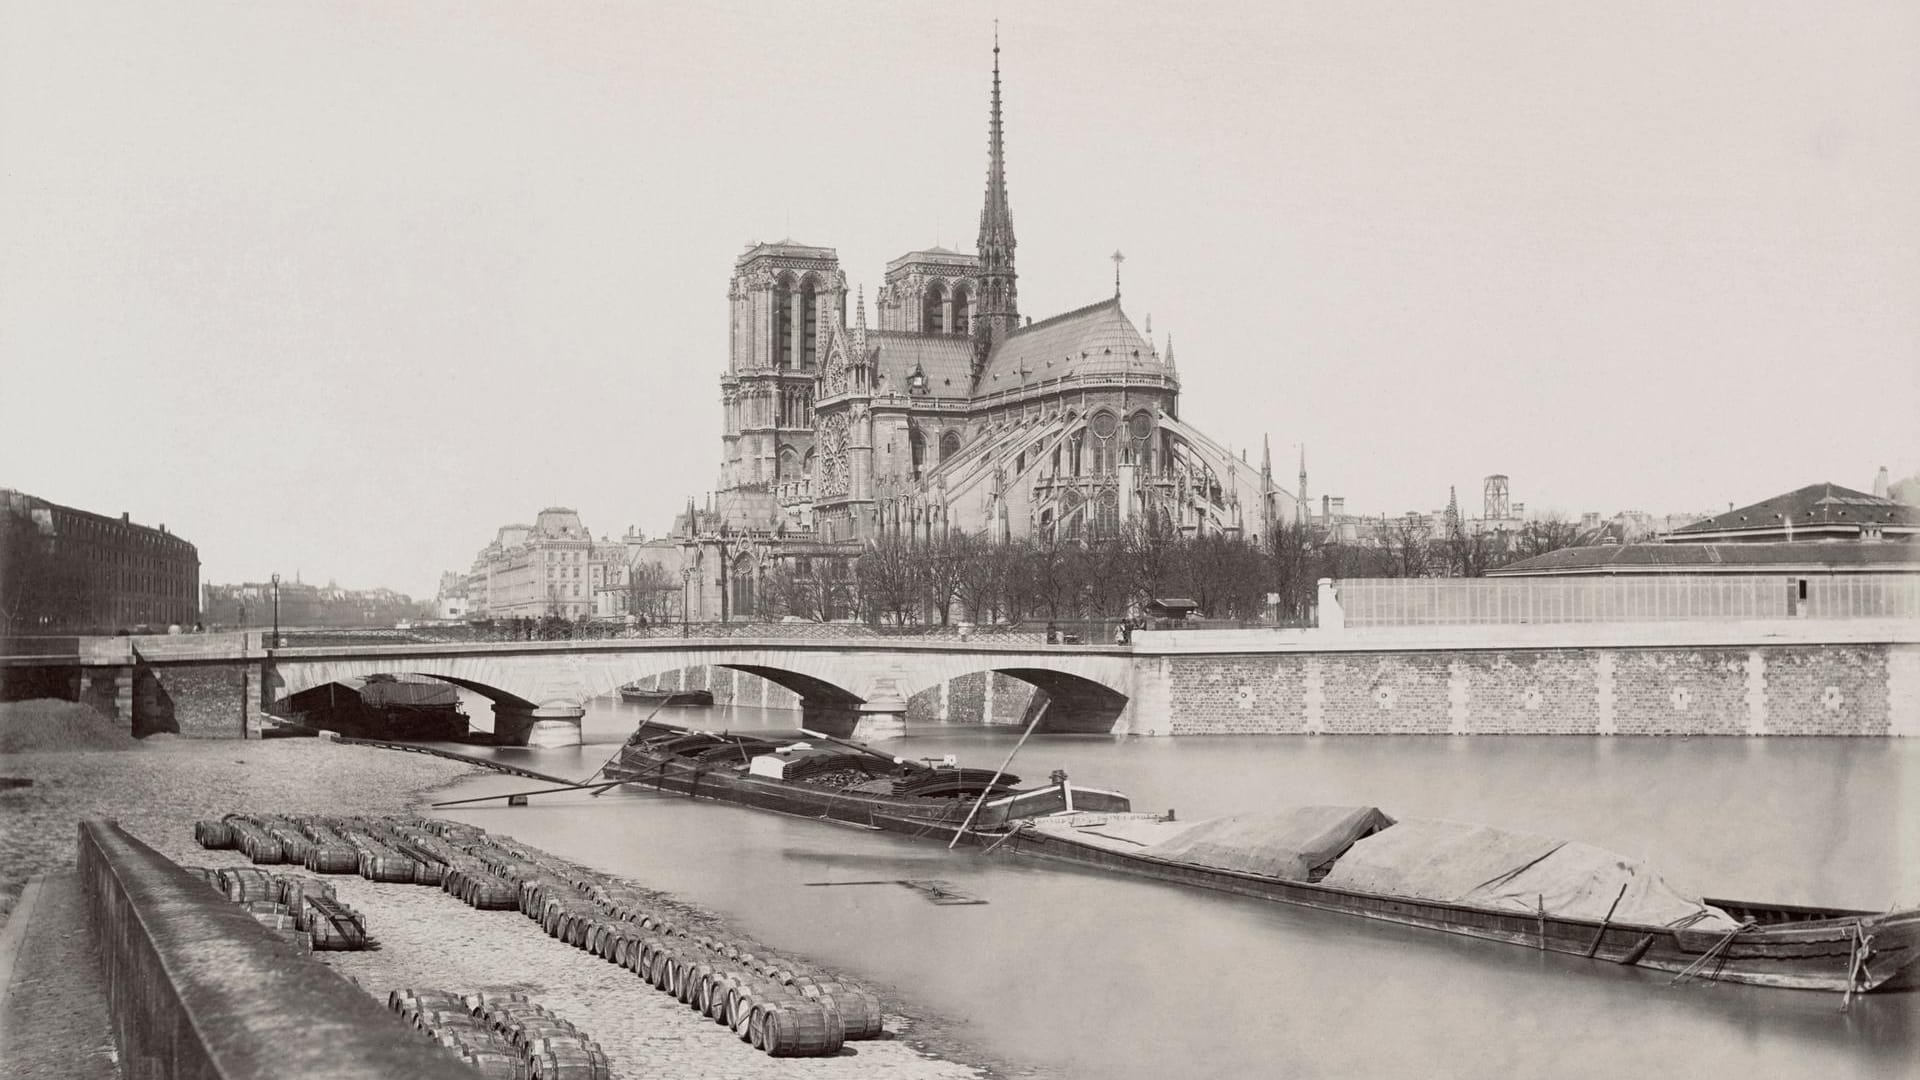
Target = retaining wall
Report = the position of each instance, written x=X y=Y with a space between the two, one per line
x=197 y=988
x=1373 y=688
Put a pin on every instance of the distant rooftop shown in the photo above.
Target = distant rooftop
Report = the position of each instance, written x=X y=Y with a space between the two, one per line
x=1817 y=511
x=1833 y=556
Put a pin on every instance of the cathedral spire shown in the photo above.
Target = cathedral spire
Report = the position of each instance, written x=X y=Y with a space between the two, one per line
x=1303 y=513
x=999 y=310
x=860 y=310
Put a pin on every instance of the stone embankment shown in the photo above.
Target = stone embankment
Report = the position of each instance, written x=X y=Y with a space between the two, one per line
x=426 y=937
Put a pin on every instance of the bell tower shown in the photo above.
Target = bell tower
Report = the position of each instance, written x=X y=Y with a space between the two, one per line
x=785 y=299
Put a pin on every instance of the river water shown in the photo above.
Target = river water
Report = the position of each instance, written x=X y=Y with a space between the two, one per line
x=1079 y=973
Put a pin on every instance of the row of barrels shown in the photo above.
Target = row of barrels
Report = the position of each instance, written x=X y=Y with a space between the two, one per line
x=776 y=1004
x=773 y=1003
x=303 y=910
x=503 y=1036
x=325 y=846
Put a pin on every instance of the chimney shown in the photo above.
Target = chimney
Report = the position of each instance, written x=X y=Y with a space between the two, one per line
x=1880 y=483
x=1326 y=508
x=126 y=518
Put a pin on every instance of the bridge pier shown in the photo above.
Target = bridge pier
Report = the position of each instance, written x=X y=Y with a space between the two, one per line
x=553 y=724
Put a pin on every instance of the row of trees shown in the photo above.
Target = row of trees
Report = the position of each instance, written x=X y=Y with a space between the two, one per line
x=968 y=577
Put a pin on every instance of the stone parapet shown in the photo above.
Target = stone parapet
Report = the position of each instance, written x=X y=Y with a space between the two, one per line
x=196 y=987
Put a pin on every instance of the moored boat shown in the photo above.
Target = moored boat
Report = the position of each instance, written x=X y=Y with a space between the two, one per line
x=841 y=781
x=643 y=695
x=1539 y=892
x=1497 y=885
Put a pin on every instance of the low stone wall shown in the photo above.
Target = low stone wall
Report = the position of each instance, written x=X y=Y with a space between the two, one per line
x=1800 y=689
x=197 y=988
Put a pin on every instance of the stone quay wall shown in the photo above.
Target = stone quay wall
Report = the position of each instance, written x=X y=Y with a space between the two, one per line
x=1585 y=683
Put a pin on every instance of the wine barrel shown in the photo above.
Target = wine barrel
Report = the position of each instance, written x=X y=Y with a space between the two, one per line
x=244 y=883
x=798 y=1029
x=859 y=1010
x=662 y=973
x=691 y=980
x=331 y=858
x=267 y=907
x=386 y=866
x=568 y=1065
x=217 y=835
x=495 y=1064
x=333 y=926
x=282 y=921
x=401 y=1000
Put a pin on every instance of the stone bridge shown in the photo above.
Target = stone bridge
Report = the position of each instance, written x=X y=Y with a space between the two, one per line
x=1726 y=677
x=539 y=689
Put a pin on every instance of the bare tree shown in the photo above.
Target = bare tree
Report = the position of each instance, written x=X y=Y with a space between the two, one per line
x=650 y=591
x=890 y=572
x=1405 y=542
x=1550 y=533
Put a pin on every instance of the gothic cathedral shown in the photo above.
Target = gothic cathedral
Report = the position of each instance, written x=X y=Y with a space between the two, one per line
x=950 y=412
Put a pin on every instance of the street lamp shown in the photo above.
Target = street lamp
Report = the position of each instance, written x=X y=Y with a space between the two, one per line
x=276 y=611
x=686 y=584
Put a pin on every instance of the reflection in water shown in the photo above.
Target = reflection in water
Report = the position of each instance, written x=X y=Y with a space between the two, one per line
x=1091 y=974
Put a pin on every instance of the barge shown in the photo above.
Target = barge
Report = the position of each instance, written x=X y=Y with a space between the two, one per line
x=840 y=781
x=1497 y=885
x=643 y=695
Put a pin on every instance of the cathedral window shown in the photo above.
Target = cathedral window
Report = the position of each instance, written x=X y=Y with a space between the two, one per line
x=949 y=445
x=810 y=324
x=962 y=310
x=918 y=444
x=783 y=322
x=933 y=309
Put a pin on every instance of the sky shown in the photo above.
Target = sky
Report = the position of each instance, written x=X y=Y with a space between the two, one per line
x=337 y=289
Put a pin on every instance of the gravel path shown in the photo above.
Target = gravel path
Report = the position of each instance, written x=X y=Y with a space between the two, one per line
x=428 y=939
x=163 y=786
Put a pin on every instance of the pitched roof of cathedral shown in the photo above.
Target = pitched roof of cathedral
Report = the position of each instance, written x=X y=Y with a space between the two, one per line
x=1096 y=339
x=945 y=359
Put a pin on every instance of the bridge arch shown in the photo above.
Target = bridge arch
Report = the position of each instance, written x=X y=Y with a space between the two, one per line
x=836 y=682
x=1074 y=703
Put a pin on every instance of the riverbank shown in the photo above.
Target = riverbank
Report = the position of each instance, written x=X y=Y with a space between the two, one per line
x=161 y=786
x=427 y=938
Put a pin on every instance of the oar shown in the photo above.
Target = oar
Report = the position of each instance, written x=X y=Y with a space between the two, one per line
x=598 y=788
x=587 y=782
x=1595 y=947
x=863 y=748
x=616 y=753
x=977 y=803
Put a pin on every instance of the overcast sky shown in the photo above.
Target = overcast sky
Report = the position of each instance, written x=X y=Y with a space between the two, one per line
x=338 y=288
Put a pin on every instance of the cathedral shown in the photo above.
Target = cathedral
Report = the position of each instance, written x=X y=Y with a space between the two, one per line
x=948 y=411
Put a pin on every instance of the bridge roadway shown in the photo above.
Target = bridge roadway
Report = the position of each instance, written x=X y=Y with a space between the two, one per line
x=846 y=686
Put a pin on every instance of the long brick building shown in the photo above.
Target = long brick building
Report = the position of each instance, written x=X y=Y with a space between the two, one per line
x=70 y=571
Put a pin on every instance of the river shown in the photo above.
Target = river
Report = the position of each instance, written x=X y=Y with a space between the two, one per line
x=1078 y=973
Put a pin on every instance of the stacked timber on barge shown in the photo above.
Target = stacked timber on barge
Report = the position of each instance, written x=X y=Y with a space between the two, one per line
x=1540 y=892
